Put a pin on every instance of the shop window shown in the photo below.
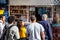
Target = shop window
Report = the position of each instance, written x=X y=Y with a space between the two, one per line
x=44 y=10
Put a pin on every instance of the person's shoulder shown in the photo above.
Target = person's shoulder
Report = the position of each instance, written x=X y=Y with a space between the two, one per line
x=41 y=21
x=14 y=27
x=29 y=26
x=32 y=23
x=38 y=24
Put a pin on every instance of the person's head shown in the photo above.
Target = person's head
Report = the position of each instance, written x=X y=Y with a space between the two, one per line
x=20 y=23
x=44 y=17
x=11 y=19
x=1 y=17
x=33 y=18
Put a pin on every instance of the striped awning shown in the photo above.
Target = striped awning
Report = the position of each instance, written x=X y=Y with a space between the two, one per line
x=33 y=2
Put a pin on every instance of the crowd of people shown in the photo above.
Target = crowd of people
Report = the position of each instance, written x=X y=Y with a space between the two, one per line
x=33 y=31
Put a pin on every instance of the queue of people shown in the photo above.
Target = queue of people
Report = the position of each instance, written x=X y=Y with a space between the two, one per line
x=34 y=31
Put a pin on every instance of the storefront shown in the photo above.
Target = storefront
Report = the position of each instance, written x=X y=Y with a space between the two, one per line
x=23 y=9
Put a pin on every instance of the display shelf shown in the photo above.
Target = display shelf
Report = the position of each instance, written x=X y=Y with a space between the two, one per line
x=20 y=12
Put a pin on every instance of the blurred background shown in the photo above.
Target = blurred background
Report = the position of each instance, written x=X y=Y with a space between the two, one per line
x=23 y=9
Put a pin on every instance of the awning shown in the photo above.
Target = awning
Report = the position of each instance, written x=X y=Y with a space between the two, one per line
x=31 y=2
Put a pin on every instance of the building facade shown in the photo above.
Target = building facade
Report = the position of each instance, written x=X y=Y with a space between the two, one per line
x=51 y=7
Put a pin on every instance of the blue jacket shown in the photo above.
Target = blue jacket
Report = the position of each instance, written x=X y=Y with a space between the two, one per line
x=48 y=30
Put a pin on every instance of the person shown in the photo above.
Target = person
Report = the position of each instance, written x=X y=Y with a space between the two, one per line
x=13 y=33
x=22 y=30
x=47 y=27
x=4 y=22
x=1 y=25
x=5 y=26
x=35 y=30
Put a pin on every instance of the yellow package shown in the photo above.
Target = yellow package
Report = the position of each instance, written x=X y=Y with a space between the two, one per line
x=1 y=11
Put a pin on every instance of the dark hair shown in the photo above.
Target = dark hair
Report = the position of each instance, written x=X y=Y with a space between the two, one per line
x=1 y=16
x=18 y=24
x=32 y=17
x=11 y=19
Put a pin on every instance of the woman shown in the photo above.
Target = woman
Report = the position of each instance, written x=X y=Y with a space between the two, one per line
x=22 y=30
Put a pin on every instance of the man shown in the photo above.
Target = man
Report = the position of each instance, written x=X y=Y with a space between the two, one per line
x=47 y=27
x=35 y=30
x=1 y=25
x=13 y=32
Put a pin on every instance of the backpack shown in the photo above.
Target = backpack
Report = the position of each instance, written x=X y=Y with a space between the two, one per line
x=6 y=31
